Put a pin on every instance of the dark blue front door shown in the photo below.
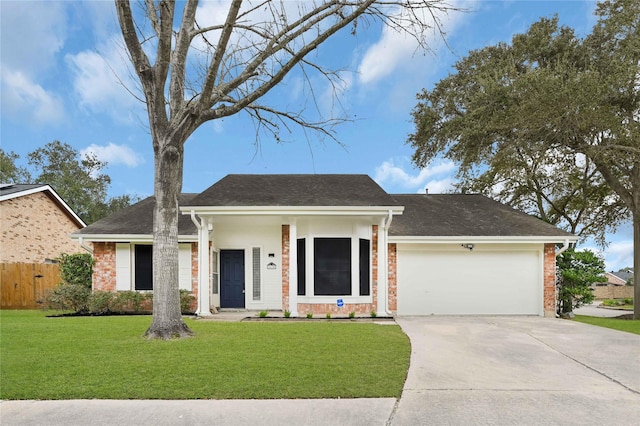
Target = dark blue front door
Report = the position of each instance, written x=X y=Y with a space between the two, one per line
x=232 y=278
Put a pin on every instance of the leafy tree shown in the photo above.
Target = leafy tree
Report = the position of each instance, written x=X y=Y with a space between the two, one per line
x=9 y=172
x=548 y=123
x=192 y=74
x=577 y=271
x=78 y=180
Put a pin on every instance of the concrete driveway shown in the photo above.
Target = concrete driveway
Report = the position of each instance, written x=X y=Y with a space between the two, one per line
x=518 y=371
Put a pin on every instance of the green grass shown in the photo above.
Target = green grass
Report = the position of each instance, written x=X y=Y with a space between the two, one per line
x=106 y=358
x=630 y=326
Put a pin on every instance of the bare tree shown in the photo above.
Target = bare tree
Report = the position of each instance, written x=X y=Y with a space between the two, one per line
x=192 y=74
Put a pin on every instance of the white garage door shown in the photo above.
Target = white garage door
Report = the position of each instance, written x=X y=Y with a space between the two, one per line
x=455 y=281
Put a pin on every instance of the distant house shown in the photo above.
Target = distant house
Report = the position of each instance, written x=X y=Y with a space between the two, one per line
x=612 y=279
x=338 y=243
x=35 y=224
x=625 y=275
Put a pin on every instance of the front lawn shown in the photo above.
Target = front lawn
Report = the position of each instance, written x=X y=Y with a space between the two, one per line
x=106 y=358
x=628 y=325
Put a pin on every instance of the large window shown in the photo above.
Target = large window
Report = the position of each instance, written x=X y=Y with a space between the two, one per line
x=302 y=267
x=365 y=288
x=143 y=267
x=332 y=266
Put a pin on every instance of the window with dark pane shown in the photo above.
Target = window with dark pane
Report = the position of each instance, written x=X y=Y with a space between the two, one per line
x=143 y=274
x=332 y=266
x=365 y=263
x=302 y=265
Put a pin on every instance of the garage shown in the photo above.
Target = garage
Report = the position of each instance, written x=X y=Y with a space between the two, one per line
x=450 y=279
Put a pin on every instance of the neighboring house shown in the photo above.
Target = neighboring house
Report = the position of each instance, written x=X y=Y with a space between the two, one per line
x=312 y=243
x=35 y=224
x=616 y=286
x=612 y=279
x=625 y=275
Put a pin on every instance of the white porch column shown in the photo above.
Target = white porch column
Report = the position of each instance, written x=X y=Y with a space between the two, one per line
x=293 y=269
x=203 y=270
x=382 y=269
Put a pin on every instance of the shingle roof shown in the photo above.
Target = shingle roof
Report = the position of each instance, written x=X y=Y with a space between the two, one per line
x=137 y=219
x=294 y=190
x=465 y=215
x=8 y=189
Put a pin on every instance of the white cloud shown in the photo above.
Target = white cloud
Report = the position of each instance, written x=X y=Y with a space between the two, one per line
x=437 y=178
x=619 y=255
x=396 y=49
x=32 y=34
x=102 y=81
x=22 y=97
x=114 y=154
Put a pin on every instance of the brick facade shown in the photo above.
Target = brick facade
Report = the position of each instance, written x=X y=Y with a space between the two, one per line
x=33 y=228
x=104 y=268
x=285 y=266
x=549 y=280
x=392 y=257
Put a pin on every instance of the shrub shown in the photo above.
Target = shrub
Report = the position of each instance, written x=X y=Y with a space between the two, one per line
x=103 y=302
x=373 y=314
x=76 y=269
x=287 y=314
x=310 y=315
x=68 y=297
x=186 y=302
x=74 y=292
x=352 y=314
x=328 y=315
x=130 y=301
x=263 y=314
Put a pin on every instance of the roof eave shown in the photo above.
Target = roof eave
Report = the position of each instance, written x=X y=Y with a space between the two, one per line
x=132 y=238
x=292 y=210
x=512 y=239
x=55 y=197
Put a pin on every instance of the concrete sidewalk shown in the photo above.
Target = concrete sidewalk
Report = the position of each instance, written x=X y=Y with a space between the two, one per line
x=312 y=412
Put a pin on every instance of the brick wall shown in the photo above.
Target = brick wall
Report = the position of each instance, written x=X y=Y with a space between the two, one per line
x=393 y=281
x=613 y=291
x=285 y=266
x=549 y=280
x=33 y=228
x=321 y=309
x=104 y=268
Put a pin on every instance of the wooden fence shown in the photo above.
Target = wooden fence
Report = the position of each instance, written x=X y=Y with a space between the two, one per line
x=23 y=284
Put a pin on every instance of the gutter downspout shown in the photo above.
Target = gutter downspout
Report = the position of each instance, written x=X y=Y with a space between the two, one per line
x=84 y=246
x=385 y=248
x=564 y=248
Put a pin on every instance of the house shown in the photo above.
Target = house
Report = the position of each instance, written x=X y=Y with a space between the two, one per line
x=35 y=224
x=612 y=279
x=616 y=285
x=340 y=244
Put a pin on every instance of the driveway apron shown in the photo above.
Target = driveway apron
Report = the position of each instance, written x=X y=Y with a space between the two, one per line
x=518 y=371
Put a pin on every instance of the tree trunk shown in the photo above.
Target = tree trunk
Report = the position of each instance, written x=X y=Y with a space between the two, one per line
x=167 y=318
x=636 y=263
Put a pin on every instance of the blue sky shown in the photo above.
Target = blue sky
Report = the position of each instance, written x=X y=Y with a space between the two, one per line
x=57 y=67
